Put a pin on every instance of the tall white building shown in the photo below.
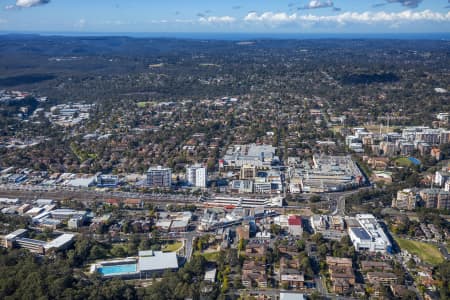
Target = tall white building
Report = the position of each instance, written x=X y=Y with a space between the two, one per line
x=159 y=177
x=196 y=175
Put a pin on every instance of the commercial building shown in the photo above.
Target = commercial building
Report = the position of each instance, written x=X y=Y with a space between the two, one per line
x=159 y=177
x=262 y=187
x=196 y=176
x=66 y=213
x=9 y=201
x=259 y=156
x=174 y=221
x=242 y=186
x=81 y=182
x=107 y=180
x=331 y=227
x=61 y=243
x=44 y=202
x=18 y=239
x=329 y=174
x=295 y=226
x=291 y=296
x=24 y=208
x=248 y=172
x=370 y=236
x=75 y=222
x=10 y=238
x=35 y=246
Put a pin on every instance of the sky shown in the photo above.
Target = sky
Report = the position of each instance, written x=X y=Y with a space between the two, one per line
x=229 y=16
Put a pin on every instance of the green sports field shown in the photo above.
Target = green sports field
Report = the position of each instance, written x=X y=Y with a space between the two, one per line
x=427 y=252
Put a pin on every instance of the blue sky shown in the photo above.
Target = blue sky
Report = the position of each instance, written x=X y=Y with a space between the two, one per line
x=245 y=16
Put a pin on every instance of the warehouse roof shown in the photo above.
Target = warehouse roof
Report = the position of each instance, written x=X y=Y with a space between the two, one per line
x=157 y=260
x=361 y=233
x=60 y=241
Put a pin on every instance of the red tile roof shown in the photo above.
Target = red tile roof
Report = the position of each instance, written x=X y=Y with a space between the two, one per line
x=295 y=220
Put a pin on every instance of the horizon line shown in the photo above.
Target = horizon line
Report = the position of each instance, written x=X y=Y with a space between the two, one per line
x=238 y=35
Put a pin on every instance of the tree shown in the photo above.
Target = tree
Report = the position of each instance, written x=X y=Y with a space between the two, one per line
x=97 y=252
x=300 y=245
x=275 y=229
x=315 y=198
x=118 y=251
x=225 y=286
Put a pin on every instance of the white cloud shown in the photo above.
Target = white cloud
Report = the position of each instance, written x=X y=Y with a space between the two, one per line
x=270 y=17
x=313 y=4
x=350 y=17
x=25 y=4
x=217 y=20
x=30 y=3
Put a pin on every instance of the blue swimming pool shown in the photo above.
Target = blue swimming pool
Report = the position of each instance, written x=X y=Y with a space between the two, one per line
x=414 y=160
x=118 y=269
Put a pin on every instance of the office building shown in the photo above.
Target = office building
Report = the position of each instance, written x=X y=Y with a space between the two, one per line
x=18 y=239
x=107 y=180
x=369 y=236
x=159 y=177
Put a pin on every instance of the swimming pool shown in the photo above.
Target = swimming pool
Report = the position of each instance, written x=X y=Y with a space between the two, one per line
x=117 y=269
x=414 y=160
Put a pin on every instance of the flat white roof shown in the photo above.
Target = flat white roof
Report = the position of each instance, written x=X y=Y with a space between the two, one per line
x=41 y=216
x=210 y=275
x=15 y=234
x=60 y=241
x=165 y=223
x=291 y=296
x=44 y=201
x=179 y=223
x=81 y=182
x=158 y=261
x=9 y=200
x=34 y=210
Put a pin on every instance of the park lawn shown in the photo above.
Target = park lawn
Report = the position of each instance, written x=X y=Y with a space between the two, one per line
x=336 y=129
x=172 y=247
x=143 y=104
x=403 y=161
x=427 y=252
x=211 y=256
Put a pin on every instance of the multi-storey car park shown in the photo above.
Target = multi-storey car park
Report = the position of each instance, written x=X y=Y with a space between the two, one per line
x=329 y=174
